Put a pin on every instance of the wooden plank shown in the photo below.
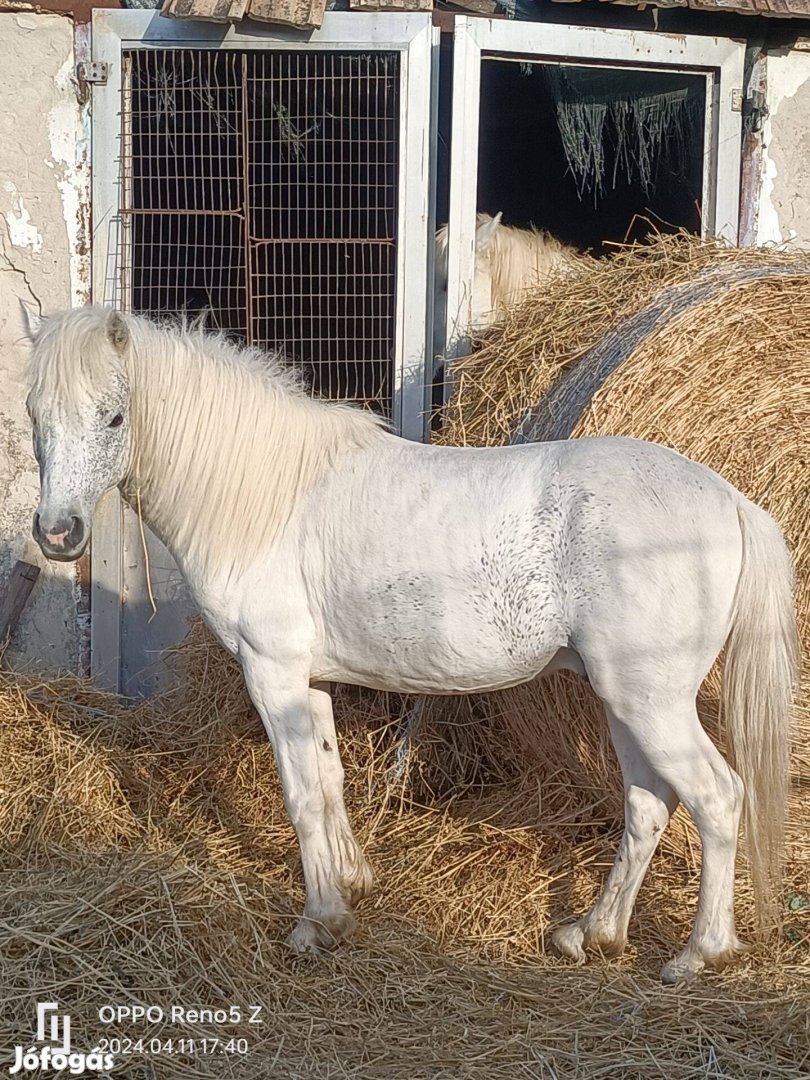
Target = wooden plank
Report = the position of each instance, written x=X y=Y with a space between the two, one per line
x=306 y=14
x=217 y=11
x=15 y=596
x=391 y=5
x=751 y=173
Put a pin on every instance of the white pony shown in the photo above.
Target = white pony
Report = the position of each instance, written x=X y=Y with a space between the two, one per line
x=508 y=263
x=321 y=548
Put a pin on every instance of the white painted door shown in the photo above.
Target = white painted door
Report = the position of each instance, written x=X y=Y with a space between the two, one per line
x=476 y=41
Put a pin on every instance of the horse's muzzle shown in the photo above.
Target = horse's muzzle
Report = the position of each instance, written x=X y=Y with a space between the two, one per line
x=62 y=540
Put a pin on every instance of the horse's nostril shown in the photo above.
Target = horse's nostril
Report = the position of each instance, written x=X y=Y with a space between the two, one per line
x=76 y=532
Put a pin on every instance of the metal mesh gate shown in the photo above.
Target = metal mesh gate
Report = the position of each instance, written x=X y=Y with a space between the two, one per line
x=260 y=192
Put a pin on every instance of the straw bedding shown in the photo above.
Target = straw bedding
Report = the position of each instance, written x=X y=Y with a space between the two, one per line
x=147 y=857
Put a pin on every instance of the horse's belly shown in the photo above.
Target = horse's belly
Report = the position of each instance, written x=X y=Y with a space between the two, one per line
x=423 y=642
x=424 y=675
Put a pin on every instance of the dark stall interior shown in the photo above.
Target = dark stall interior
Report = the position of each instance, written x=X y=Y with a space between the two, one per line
x=260 y=196
x=594 y=155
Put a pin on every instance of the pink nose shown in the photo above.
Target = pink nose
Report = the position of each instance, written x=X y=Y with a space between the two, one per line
x=62 y=536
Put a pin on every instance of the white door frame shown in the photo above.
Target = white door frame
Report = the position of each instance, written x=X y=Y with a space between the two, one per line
x=413 y=36
x=719 y=60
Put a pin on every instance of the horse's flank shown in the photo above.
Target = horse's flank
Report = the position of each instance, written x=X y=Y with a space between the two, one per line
x=223 y=440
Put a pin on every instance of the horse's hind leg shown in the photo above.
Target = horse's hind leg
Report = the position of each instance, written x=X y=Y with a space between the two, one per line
x=648 y=804
x=682 y=754
x=678 y=753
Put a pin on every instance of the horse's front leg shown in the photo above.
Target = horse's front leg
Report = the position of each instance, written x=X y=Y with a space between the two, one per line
x=298 y=719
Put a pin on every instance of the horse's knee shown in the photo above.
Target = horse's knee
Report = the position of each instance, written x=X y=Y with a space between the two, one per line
x=734 y=795
x=738 y=791
x=716 y=803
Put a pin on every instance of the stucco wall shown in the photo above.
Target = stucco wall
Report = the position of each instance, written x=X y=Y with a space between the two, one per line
x=40 y=193
x=784 y=202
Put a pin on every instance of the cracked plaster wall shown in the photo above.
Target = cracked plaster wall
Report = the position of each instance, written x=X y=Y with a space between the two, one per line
x=40 y=196
x=784 y=200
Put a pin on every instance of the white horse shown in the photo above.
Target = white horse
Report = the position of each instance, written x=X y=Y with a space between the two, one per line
x=321 y=548
x=509 y=262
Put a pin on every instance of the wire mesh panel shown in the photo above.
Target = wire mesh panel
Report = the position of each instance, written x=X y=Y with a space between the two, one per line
x=260 y=191
x=190 y=264
x=337 y=298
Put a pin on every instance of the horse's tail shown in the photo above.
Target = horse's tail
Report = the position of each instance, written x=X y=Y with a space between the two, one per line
x=759 y=679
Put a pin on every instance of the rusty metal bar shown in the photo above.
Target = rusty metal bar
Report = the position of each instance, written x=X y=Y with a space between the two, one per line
x=136 y=211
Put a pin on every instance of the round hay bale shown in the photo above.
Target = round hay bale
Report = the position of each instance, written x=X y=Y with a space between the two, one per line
x=699 y=347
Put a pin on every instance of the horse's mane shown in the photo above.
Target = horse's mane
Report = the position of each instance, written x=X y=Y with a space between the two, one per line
x=224 y=439
x=514 y=259
x=519 y=258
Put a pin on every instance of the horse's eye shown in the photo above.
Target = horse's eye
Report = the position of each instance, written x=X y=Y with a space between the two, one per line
x=116 y=421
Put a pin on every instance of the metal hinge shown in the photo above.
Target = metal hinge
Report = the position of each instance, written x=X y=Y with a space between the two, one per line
x=736 y=100
x=90 y=73
x=755 y=112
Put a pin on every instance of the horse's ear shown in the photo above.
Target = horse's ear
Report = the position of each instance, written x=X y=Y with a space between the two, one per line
x=485 y=231
x=118 y=331
x=32 y=319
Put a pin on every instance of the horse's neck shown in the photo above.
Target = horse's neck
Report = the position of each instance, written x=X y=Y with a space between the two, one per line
x=220 y=457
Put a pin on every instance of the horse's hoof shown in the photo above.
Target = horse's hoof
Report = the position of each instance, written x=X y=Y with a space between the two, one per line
x=569 y=941
x=692 y=961
x=317 y=934
x=683 y=967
